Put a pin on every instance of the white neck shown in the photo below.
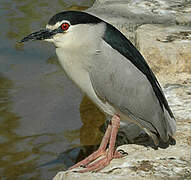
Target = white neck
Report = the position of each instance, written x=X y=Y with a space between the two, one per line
x=76 y=48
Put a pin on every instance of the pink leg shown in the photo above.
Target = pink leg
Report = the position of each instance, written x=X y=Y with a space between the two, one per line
x=101 y=150
x=100 y=164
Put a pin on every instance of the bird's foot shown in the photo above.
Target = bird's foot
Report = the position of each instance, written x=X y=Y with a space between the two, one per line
x=103 y=162
x=97 y=165
x=88 y=160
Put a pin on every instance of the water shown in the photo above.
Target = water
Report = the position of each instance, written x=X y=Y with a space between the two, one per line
x=44 y=121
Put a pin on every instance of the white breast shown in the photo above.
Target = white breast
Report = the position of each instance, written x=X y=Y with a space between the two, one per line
x=77 y=66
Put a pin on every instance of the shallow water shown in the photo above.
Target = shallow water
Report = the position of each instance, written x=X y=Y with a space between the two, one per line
x=43 y=116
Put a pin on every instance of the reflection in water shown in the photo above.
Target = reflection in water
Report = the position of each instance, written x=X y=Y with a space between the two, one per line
x=20 y=154
x=71 y=156
x=92 y=119
x=90 y=136
x=11 y=157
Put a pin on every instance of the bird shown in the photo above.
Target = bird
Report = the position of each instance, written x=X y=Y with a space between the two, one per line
x=111 y=71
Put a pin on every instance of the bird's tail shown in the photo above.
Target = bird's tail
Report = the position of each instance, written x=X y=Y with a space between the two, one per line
x=170 y=123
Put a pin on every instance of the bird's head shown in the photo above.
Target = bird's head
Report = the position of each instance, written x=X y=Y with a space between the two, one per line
x=69 y=29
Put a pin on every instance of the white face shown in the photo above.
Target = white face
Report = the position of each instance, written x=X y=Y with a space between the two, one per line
x=55 y=38
x=75 y=36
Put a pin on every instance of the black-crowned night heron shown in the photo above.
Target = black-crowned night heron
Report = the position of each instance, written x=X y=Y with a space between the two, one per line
x=105 y=65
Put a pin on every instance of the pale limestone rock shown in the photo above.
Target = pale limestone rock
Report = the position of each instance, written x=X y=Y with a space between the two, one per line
x=127 y=15
x=166 y=48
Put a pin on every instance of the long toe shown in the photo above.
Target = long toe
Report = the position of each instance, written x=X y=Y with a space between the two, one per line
x=118 y=154
x=96 y=166
x=88 y=160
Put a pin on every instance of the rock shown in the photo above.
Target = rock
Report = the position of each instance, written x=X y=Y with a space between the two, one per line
x=177 y=90
x=128 y=15
x=154 y=27
x=167 y=51
x=166 y=48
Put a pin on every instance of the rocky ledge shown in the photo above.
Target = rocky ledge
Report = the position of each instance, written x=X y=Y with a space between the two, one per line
x=161 y=30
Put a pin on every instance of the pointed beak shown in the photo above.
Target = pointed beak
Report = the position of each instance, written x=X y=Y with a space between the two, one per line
x=40 y=35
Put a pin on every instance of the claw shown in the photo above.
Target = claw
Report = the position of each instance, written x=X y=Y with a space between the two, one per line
x=122 y=152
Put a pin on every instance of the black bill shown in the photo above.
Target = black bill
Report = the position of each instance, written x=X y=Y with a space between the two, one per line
x=40 y=35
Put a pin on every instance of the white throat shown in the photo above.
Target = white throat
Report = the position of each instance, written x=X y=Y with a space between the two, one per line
x=76 y=56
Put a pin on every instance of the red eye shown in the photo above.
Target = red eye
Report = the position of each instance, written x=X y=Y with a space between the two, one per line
x=65 y=26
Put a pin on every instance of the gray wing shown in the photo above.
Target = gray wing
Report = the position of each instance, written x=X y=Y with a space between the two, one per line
x=124 y=86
